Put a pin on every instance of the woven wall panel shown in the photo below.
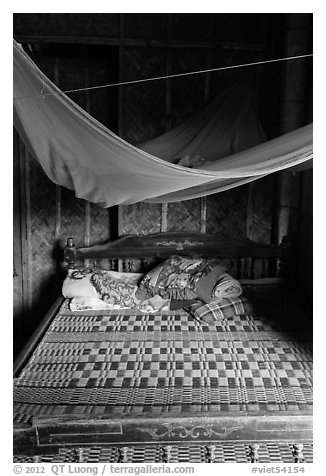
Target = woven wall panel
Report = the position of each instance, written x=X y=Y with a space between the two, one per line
x=42 y=228
x=72 y=76
x=103 y=101
x=141 y=218
x=227 y=212
x=237 y=28
x=146 y=25
x=187 y=91
x=72 y=217
x=184 y=216
x=191 y=26
x=99 y=224
x=230 y=57
x=263 y=201
x=144 y=104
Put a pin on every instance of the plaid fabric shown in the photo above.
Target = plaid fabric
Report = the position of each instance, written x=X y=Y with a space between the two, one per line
x=227 y=287
x=223 y=309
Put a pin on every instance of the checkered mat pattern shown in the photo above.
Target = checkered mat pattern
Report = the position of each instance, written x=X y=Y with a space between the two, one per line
x=235 y=452
x=103 y=363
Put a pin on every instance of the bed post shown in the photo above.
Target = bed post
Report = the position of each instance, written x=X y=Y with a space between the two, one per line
x=69 y=253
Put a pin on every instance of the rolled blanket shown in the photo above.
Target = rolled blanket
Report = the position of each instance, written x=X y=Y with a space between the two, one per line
x=224 y=309
x=226 y=287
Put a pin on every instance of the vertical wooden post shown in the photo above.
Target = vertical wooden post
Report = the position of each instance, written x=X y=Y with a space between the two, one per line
x=57 y=233
x=120 y=104
x=87 y=203
x=25 y=206
x=18 y=300
x=292 y=116
x=207 y=93
x=168 y=110
x=120 y=115
x=203 y=214
x=29 y=258
x=207 y=89
x=250 y=212
x=164 y=217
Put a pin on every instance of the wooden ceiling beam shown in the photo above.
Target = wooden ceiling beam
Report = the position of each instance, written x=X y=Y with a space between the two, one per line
x=103 y=41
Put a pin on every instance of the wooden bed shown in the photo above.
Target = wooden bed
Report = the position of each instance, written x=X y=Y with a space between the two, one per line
x=119 y=386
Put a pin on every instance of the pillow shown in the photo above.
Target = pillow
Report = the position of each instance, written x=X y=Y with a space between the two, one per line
x=183 y=278
x=117 y=292
x=80 y=282
x=220 y=309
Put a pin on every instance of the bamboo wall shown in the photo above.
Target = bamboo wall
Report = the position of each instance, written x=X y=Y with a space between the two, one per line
x=135 y=46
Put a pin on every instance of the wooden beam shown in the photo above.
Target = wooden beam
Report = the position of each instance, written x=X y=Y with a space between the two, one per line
x=120 y=117
x=29 y=258
x=87 y=204
x=209 y=60
x=168 y=111
x=164 y=217
x=57 y=234
x=18 y=296
x=203 y=214
x=87 y=40
x=250 y=211
x=36 y=336
x=25 y=224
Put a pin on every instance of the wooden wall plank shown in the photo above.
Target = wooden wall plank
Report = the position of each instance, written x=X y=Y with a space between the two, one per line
x=164 y=217
x=57 y=187
x=203 y=214
x=132 y=42
x=27 y=160
x=18 y=295
x=25 y=217
x=250 y=211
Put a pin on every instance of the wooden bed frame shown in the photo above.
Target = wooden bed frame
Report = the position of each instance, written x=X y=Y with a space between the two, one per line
x=252 y=260
x=254 y=263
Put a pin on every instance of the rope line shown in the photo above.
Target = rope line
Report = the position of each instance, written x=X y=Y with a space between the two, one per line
x=157 y=78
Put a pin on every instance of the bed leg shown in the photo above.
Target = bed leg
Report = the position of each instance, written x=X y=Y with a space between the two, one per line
x=211 y=456
x=297 y=453
x=123 y=454
x=253 y=455
x=36 y=459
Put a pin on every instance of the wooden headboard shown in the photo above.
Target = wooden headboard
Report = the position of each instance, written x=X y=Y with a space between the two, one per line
x=246 y=258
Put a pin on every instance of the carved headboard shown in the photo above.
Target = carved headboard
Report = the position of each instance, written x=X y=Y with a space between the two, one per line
x=138 y=252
